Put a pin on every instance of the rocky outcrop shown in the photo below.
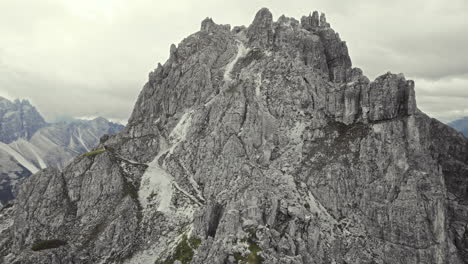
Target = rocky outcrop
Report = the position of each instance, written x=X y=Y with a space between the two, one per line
x=257 y=145
x=260 y=32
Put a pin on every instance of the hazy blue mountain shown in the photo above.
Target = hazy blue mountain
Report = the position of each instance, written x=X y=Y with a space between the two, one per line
x=18 y=119
x=461 y=125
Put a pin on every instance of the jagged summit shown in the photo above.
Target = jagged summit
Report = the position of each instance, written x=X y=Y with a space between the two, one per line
x=312 y=22
x=18 y=119
x=258 y=144
x=322 y=43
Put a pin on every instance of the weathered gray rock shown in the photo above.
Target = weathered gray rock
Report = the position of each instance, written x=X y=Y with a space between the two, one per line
x=260 y=32
x=243 y=147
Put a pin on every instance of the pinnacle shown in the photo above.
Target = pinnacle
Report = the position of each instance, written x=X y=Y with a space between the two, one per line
x=313 y=21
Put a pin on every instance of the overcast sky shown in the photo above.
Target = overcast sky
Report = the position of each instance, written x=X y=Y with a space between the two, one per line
x=91 y=57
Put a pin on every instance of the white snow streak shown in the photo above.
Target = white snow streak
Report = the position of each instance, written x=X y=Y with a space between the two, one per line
x=81 y=140
x=92 y=134
x=241 y=52
x=258 y=81
x=42 y=164
x=72 y=142
x=157 y=188
x=34 y=150
x=196 y=187
x=179 y=132
x=156 y=182
x=24 y=162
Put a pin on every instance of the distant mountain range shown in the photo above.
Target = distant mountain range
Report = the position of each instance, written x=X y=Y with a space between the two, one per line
x=461 y=125
x=28 y=143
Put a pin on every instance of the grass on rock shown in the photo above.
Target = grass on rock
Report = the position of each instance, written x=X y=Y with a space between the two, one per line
x=94 y=153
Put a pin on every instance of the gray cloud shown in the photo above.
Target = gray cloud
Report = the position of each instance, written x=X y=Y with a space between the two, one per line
x=88 y=58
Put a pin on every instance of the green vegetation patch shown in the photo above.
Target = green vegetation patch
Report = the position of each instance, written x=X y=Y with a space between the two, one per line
x=253 y=257
x=93 y=153
x=184 y=251
x=47 y=244
x=195 y=242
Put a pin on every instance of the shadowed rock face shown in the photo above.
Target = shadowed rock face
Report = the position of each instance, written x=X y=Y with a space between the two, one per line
x=257 y=144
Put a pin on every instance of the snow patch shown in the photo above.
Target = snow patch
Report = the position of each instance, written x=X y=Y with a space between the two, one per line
x=297 y=131
x=41 y=162
x=24 y=162
x=241 y=52
x=179 y=133
x=94 y=135
x=156 y=184
x=80 y=139
x=72 y=142
x=28 y=151
x=257 y=86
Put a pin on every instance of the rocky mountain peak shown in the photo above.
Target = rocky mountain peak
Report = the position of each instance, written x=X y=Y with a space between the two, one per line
x=206 y=24
x=260 y=32
x=18 y=119
x=259 y=144
x=313 y=21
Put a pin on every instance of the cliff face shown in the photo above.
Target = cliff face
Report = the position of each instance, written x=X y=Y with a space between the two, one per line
x=256 y=145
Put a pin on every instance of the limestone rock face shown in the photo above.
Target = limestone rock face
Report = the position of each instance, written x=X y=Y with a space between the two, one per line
x=259 y=144
x=260 y=33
